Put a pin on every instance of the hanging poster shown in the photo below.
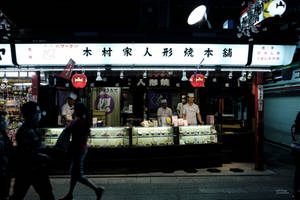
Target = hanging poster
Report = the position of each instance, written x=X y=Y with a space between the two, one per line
x=108 y=100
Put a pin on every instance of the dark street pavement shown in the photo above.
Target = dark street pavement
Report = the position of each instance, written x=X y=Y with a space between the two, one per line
x=275 y=182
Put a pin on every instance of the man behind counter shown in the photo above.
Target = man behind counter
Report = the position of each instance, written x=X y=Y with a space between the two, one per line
x=164 y=112
x=180 y=106
x=67 y=109
x=191 y=112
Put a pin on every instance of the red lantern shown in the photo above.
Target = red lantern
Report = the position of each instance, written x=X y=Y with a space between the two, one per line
x=197 y=80
x=79 y=80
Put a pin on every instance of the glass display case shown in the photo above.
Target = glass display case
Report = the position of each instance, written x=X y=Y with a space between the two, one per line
x=197 y=134
x=100 y=137
x=51 y=135
x=152 y=136
x=113 y=137
x=109 y=137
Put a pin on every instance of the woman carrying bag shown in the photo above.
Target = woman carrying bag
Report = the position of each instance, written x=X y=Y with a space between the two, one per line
x=79 y=130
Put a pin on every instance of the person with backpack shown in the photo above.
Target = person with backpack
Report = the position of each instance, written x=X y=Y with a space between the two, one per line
x=296 y=154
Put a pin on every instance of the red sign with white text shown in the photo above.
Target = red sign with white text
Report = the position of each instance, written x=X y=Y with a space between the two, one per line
x=79 y=80
x=197 y=80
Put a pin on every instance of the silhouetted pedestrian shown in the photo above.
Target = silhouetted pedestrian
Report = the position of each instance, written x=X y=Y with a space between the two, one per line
x=79 y=130
x=30 y=161
x=6 y=149
x=296 y=153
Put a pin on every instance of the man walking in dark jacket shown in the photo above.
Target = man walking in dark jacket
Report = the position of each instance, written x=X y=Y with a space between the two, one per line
x=31 y=162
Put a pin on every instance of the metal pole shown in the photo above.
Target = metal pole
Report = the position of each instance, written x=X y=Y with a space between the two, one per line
x=259 y=120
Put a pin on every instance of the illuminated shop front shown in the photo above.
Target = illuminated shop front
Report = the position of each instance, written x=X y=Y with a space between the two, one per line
x=122 y=85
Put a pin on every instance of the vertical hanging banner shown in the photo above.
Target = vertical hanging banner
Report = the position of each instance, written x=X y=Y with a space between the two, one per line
x=35 y=86
x=260 y=97
x=66 y=74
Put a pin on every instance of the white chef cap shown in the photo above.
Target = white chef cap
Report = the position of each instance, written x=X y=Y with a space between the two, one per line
x=190 y=94
x=163 y=101
x=73 y=96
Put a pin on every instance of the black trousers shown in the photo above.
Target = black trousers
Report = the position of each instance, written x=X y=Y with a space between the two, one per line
x=38 y=178
x=5 y=185
x=296 y=154
x=5 y=177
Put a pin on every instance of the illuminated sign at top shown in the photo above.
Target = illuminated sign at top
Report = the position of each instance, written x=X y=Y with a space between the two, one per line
x=144 y=54
x=272 y=55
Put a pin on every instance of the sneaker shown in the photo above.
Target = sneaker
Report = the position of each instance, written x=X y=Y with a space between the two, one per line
x=99 y=192
x=67 y=197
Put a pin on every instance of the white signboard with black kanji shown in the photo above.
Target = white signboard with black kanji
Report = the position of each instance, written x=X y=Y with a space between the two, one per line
x=128 y=54
x=272 y=55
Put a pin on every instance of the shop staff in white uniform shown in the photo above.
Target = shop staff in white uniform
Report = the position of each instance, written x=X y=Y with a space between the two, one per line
x=164 y=112
x=67 y=109
x=191 y=112
x=180 y=106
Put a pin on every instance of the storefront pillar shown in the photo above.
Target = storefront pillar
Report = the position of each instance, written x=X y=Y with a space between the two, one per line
x=259 y=119
x=35 y=86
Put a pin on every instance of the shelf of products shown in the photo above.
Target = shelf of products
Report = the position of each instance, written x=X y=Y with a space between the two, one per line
x=152 y=136
x=113 y=137
x=11 y=99
x=197 y=134
x=108 y=137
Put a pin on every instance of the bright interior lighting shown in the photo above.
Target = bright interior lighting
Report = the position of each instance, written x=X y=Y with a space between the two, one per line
x=161 y=69
x=184 y=78
x=99 y=78
x=11 y=74
x=22 y=70
x=230 y=75
x=245 y=69
x=196 y=15
x=145 y=75
x=23 y=84
x=249 y=75
x=121 y=75
x=4 y=80
x=206 y=74
x=243 y=77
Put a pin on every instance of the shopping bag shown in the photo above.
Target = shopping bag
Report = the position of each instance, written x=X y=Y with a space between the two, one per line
x=63 y=141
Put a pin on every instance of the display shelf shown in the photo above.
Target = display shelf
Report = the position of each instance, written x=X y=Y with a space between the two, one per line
x=202 y=134
x=100 y=137
x=113 y=137
x=152 y=136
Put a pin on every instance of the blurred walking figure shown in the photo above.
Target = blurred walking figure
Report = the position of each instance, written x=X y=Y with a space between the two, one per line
x=31 y=163
x=296 y=153
x=79 y=131
x=6 y=148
